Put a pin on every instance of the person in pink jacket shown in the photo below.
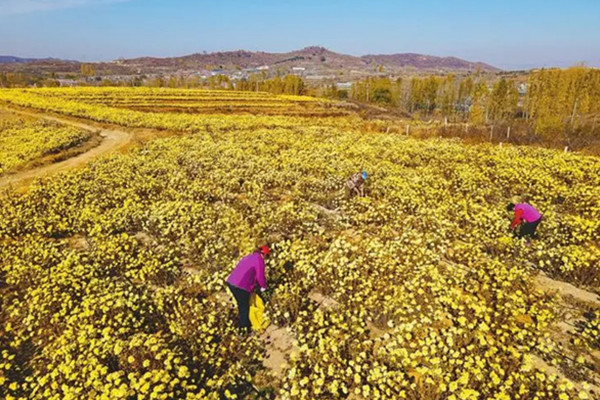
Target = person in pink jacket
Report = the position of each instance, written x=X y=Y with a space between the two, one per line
x=527 y=216
x=249 y=272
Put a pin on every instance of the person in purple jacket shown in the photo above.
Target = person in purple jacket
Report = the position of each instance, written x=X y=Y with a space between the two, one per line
x=249 y=272
x=527 y=216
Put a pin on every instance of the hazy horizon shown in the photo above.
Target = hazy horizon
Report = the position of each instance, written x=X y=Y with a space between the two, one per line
x=510 y=35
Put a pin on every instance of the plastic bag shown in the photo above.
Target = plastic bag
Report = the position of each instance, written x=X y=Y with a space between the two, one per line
x=257 y=313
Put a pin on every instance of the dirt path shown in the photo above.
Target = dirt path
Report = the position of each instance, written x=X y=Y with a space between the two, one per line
x=545 y=283
x=112 y=139
x=280 y=342
x=571 y=303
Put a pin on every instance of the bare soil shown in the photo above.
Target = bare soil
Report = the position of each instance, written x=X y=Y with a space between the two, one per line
x=545 y=283
x=279 y=344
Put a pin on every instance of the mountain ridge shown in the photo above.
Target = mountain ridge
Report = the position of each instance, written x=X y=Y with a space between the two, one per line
x=312 y=62
x=312 y=55
x=6 y=59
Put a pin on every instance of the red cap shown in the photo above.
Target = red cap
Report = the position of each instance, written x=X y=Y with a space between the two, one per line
x=265 y=250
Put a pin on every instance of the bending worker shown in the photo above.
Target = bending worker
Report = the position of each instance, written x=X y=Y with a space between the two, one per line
x=356 y=183
x=249 y=272
x=527 y=216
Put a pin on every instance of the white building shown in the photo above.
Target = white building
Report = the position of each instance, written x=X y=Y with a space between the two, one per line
x=344 y=85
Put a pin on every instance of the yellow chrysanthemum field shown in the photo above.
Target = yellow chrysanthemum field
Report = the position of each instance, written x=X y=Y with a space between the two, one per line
x=112 y=274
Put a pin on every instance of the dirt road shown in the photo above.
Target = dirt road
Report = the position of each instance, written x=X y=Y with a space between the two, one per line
x=112 y=140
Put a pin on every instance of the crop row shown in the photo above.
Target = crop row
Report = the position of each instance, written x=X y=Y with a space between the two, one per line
x=46 y=101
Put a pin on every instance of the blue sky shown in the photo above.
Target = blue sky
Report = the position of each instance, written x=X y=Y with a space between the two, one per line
x=511 y=34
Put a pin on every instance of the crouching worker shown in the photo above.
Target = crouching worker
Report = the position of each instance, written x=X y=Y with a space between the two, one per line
x=527 y=216
x=356 y=183
x=242 y=282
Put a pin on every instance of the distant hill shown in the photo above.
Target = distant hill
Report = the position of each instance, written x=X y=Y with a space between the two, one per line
x=421 y=61
x=313 y=57
x=312 y=63
x=13 y=59
x=20 y=60
x=248 y=59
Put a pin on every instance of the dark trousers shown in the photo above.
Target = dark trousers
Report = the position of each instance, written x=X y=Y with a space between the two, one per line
x=528 y=228
x=242 y=299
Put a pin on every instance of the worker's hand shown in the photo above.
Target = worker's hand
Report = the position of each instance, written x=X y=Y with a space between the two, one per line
x=262 y=289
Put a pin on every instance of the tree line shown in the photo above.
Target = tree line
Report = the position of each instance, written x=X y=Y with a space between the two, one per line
x=475 y=99
x=19 y=79
x=564 y=101
x=551 y=102
x=287 y=84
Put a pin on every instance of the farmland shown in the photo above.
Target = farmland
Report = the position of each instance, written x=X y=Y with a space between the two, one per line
x=198 y=101
x=112 y=274
x=26 y=140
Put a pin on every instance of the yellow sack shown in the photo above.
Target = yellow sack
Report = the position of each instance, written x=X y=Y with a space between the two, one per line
x=257 y=313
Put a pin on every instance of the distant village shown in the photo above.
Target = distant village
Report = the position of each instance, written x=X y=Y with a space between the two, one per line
x=311 y=76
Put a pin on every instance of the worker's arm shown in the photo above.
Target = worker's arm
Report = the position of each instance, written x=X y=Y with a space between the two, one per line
x=260 y=274
x=517 y=220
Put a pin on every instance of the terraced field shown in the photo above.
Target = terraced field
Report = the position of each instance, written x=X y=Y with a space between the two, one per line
x=199 y=101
